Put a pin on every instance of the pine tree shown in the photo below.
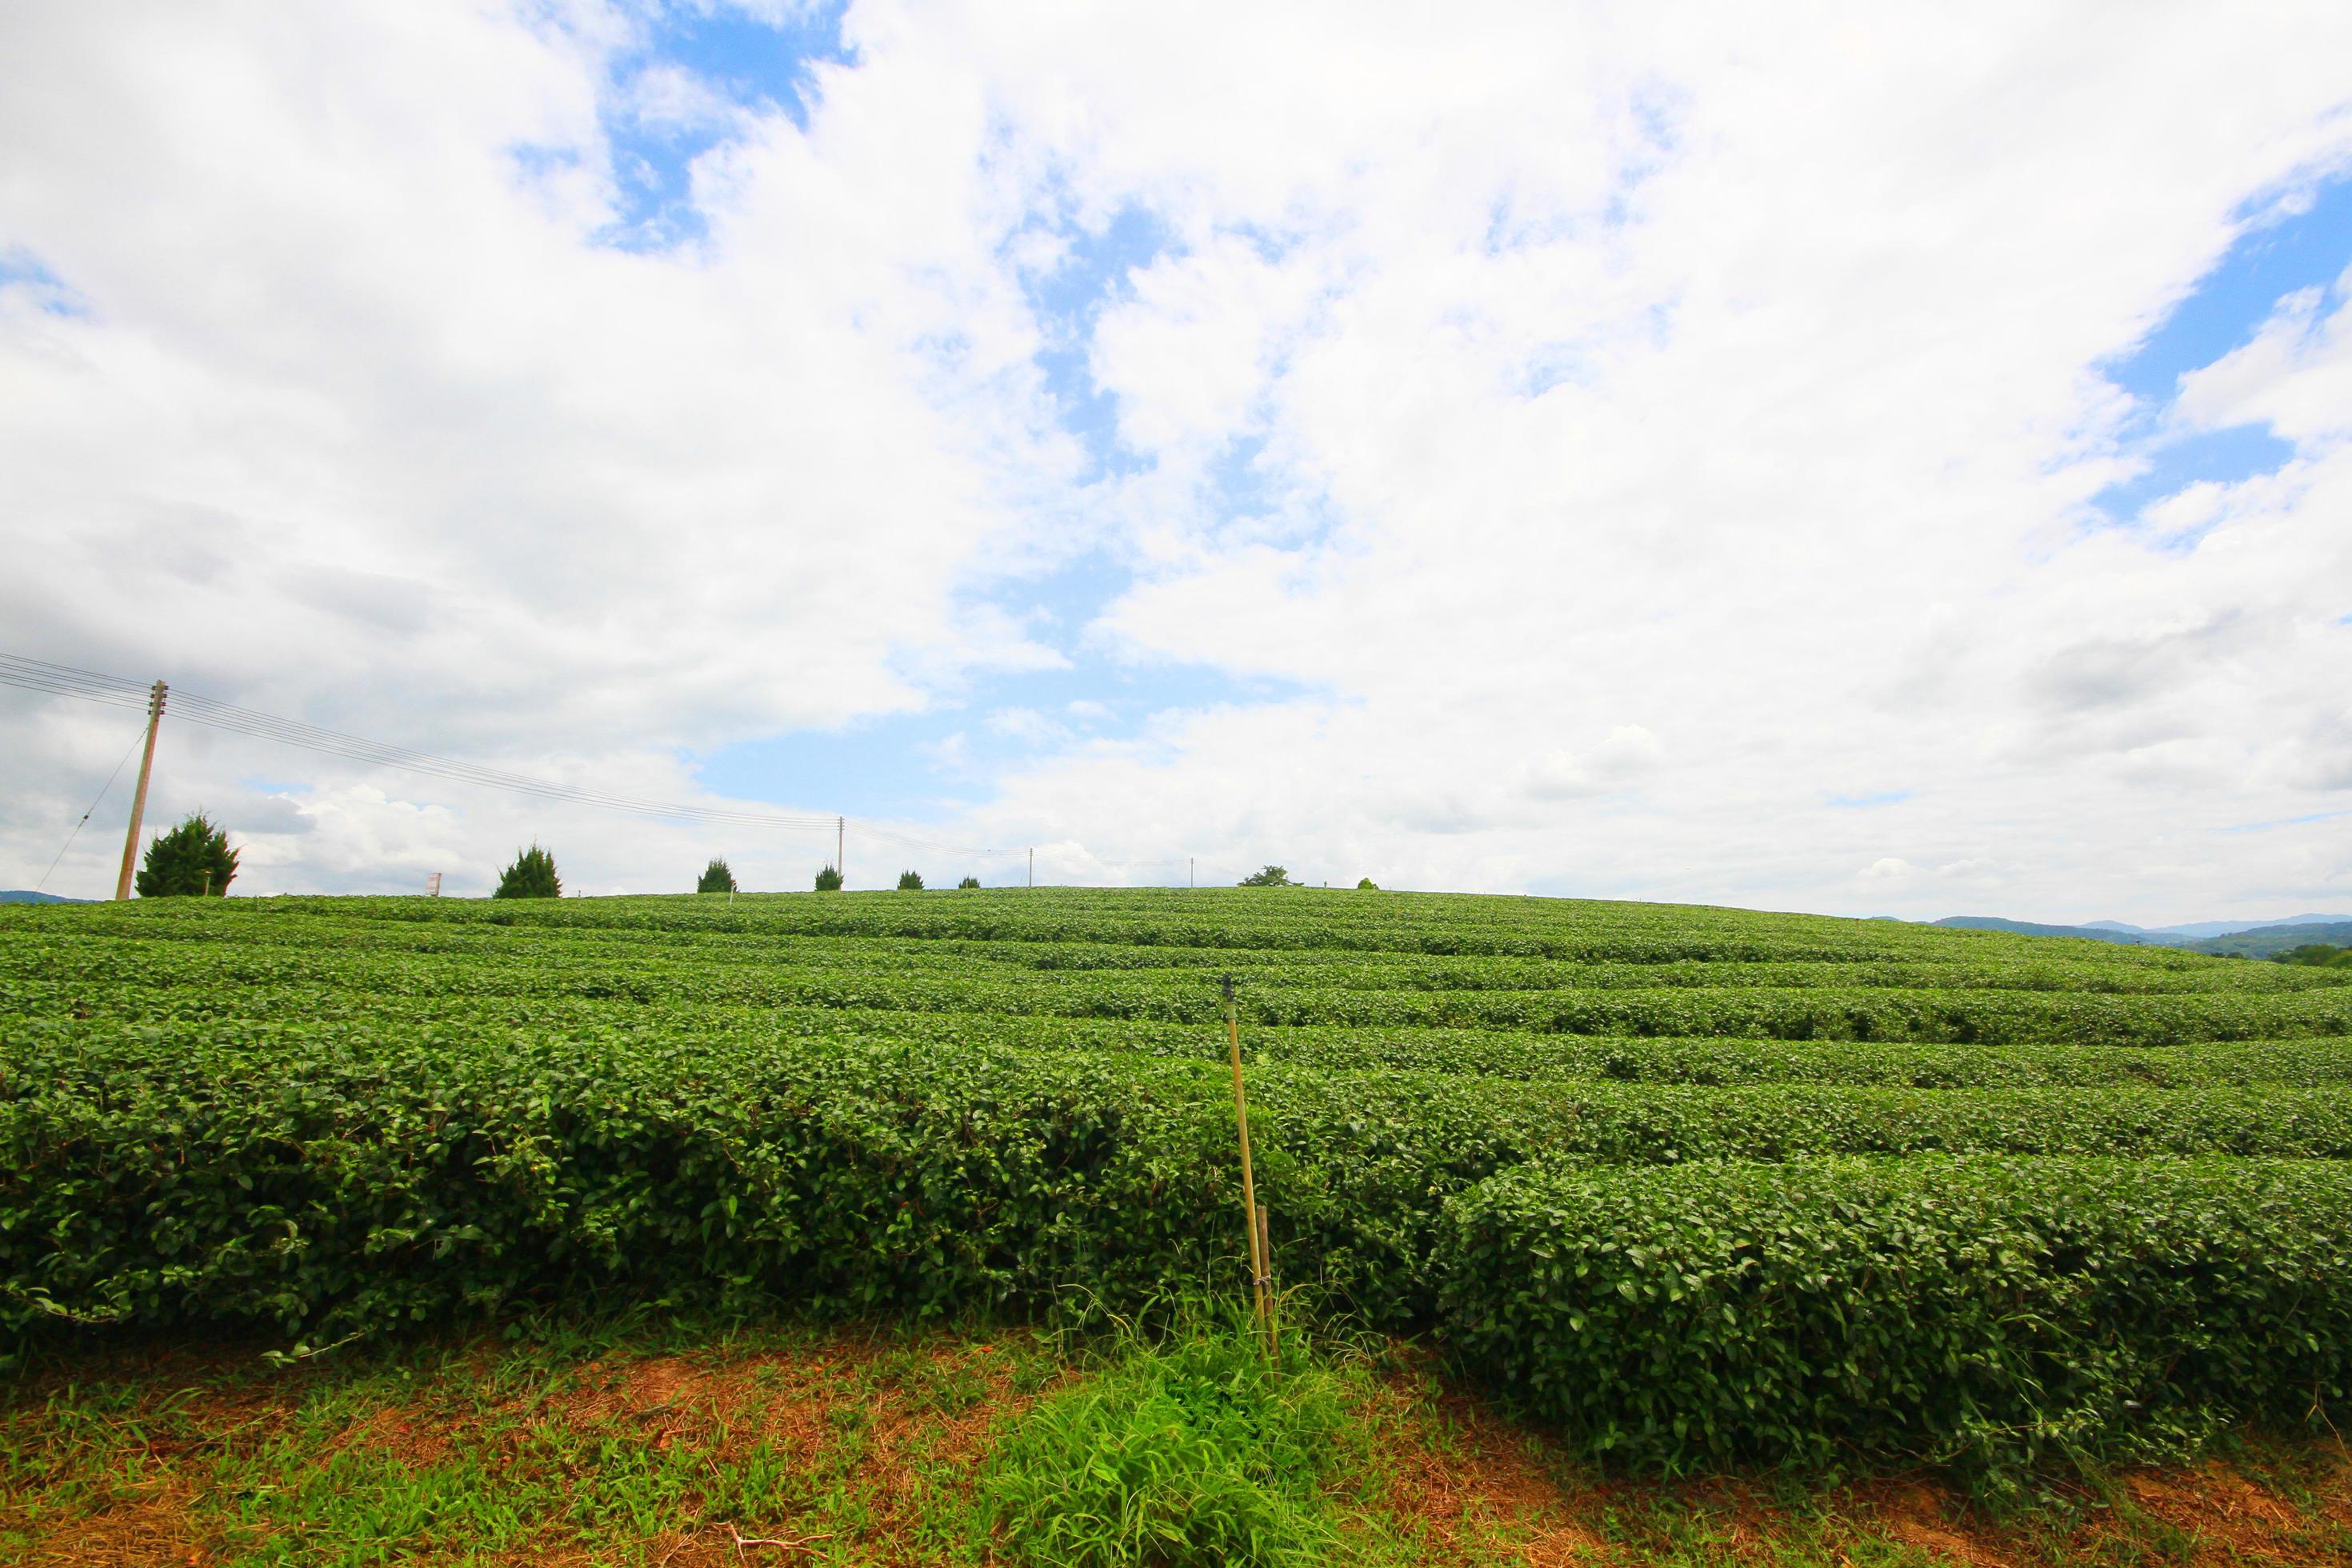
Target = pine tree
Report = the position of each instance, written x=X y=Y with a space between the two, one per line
x=716 y=878
x=532 y=876
x=828 y=880
x=192 y=859
x=910 y=881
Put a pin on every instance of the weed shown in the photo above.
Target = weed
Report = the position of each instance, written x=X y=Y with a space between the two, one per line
x=1196 y=1448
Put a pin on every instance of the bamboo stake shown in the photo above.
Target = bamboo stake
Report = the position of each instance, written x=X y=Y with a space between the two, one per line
x=1249 y=1180
x=1266 y=1250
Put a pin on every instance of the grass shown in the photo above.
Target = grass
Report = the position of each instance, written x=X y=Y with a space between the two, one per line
x=1204 y=1447
x=645 y=1440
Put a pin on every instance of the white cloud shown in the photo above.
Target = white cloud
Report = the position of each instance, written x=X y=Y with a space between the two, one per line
x=2296 y=376
x=672 y=98
x=1659 y=425
x=1628 y=752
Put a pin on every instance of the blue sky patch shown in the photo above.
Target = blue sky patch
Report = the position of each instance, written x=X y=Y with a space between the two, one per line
x=2284 y=822
x=2283 y=252
x=2219 y=457
x=1093 y=271
x=1865 y=801
x=20 y=269
x=745 y=63
x=2295 y=250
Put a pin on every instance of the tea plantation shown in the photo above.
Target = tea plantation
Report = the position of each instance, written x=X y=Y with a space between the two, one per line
x=1697 y=1186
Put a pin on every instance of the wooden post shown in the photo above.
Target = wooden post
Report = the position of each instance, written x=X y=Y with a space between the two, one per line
x=841 y=849
x=139 y=797
x=1250 y=1223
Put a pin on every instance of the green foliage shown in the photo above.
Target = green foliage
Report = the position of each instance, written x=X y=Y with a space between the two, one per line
x=2317 y=955
x=910 y=881
x=1366 y=885
x=1989 y=1312
x=828 y=880
x=322 y=1117
x=191 y=860
x=967 y=883
x=716 y=878
x=531 y=876
x=1197 y=1450
x=1267 y=877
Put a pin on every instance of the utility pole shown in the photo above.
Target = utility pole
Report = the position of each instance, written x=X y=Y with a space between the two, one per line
x=1188 y=872
x=841 y=849
x=1032 y=868
x=139 y=797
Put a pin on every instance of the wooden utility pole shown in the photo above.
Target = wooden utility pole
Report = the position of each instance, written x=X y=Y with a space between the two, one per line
x=138 y=797
x=1252 y=1218
x=841 y=849
x=1032 y=868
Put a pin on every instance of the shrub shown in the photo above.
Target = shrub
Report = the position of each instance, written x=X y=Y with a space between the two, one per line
x=1988 y=1311
x=716 y=878
x=191 y=860
x=828 y=880
x=1267 y=877
x=1367 y=886
x=910 y=881
x=967 y=883
x=532 y=876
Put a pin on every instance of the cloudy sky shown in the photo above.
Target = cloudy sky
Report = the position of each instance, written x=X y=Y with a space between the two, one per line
x=1869 y=459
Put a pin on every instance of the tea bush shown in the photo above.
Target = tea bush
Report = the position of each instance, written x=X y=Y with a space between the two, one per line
x=316 y=1118
x=1985 y=1311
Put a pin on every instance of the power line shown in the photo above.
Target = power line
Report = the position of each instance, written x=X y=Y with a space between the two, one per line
x=964 y=851
x=61 y=688
x=140 y=735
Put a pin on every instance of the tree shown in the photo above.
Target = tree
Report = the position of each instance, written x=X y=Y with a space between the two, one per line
x=1367 y=886
x=189 y=861
x=910 y=881
x=1271 y=876
x=967 y=883
x=532 y=876
x=828 y=880
x=716 y=878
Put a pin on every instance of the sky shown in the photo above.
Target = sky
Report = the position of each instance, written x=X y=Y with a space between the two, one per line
x=1869 y=460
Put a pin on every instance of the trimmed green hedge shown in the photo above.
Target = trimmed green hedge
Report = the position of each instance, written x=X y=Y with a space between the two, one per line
x=330 y=1178
x=1987 y=1311
x=322 y=1118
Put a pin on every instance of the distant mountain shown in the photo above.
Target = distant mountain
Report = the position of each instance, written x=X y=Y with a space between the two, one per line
x=2104 y=932
x=2252 y=939
x=2201 y=930
x=2265 y=940
x=20 y=896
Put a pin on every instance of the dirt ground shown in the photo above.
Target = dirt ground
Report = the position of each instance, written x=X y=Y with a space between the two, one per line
x=855 y=1448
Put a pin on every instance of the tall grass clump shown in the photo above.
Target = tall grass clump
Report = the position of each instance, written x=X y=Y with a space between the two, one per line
x=1196 y=1448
